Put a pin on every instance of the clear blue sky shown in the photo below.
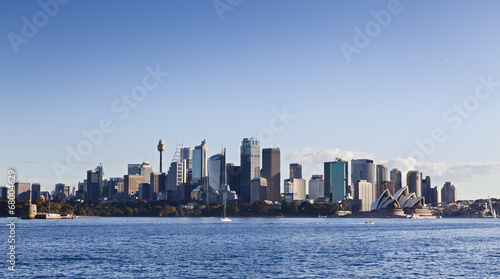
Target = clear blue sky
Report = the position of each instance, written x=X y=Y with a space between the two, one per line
x=226 y=77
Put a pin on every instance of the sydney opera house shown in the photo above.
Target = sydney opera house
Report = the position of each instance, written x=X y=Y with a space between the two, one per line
x=403 y=203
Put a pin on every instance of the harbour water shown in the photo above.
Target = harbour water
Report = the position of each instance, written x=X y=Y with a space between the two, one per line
x=254 y=248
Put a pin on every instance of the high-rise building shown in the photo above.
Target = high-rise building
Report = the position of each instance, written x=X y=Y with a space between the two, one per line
x=175 y=176
x=396 y=177
x=426 y=189
x=364 y=169
x=363 y=195
x=158 y=184
x=436 y=195
x=316 y=187
x=36 y=191
x=200 y=161
x=187 y=156
x=381 y=177
x=295 y=188
x=144 y=192
x=250 y=165
x=131 y=184
x=187 y=153
x=336 y=174
x=414 y=182
x=22 y=190
x=449 y=192
x=258 y=189
x=59 y=188
x=135 y=169
x=95 y=184
x=271 y=164
x=3 y=192
x=113 y=186
x=144 y=169
x=233 y=177
x=388 y=185
x=148 y=169
x=295 y=170
x=217 y=171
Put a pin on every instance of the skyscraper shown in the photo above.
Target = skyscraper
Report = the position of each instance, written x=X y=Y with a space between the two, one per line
x=295 y=189
x=414 y=182
x=381 y=177
x=217 y=170
x=187 y=156
x=250 y=165
x=271 y=163
x=336 y=174
x=200 y=161
x=295 y=170
x=22 y=190
x=175 y=176
x=147 y=170
x=426 y=189
x=135 y=169
x=144 y=169
x=158 y=184
x=436 y=195
x=396 y=177
x=388 y=185
x=316 y=187
x=258 y=189
x=144 y=192
x=95 y=184
x=363 y=195
x=113 y=186
x=233 y=177
x=131 y=184
x=449 y=192
x=363 y=169
x=35 y=191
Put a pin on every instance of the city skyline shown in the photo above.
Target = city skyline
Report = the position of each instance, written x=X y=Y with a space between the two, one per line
x=337 y=182
x=426 y=90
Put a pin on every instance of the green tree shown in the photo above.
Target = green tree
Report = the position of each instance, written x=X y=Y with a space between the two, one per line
x=128 y=211
x=180 y=210
x=260 y=208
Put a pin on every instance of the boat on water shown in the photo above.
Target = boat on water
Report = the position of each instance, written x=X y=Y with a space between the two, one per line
x=54 y=216
x=369 y=222
x=412 y=216
x=224 y=217
x=33 y=214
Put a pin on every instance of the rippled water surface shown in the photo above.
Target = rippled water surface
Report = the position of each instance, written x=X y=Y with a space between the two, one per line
x=254 y=248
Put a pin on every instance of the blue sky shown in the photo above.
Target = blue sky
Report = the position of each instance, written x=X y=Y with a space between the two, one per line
x=229 y=76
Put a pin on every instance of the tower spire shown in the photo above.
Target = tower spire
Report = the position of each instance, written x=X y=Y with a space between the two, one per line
x=161 y=148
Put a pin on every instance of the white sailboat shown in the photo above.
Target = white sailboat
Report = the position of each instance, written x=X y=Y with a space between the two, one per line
x=224 y=217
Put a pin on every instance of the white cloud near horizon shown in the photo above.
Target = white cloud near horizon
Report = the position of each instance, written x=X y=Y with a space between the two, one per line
x=455 y=172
